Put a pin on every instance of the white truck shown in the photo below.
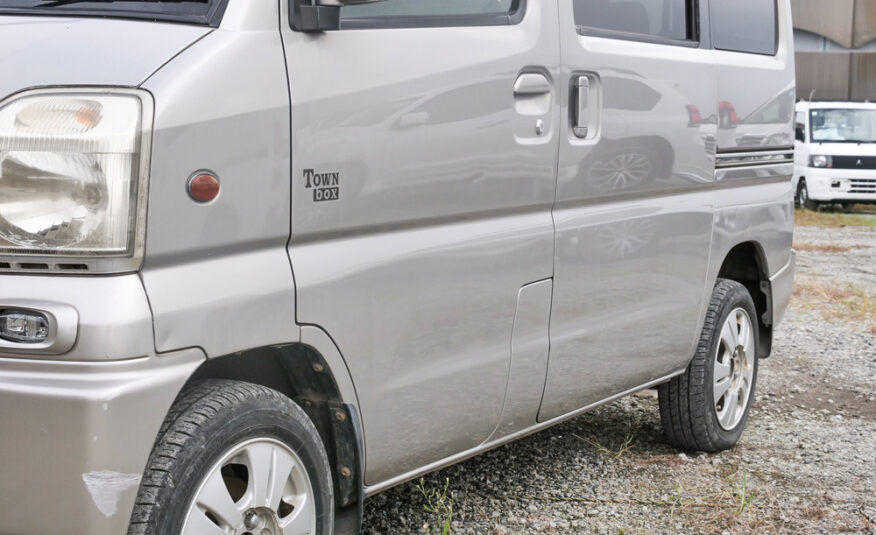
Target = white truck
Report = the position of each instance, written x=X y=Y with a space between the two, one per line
x=835 y=153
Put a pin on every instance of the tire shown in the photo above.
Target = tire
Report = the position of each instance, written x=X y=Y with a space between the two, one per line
x=692 y=418
x=224 y=443
x=803 y=199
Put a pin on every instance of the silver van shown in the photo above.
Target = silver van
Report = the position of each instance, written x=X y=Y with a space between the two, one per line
x=262 y=259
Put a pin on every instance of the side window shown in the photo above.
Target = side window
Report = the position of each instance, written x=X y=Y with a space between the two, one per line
x=673 y=20
x=745 y=26
x=800 y=126
x=429 y=12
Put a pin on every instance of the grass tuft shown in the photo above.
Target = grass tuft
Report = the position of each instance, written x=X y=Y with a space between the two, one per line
x=811 y=218
x=622 y=450
x=743 y=496
x=827 y=247
x=439 y=503
x=837 y=302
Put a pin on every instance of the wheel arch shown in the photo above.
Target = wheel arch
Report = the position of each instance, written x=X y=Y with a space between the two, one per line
x=304 y=374
x=746 y=264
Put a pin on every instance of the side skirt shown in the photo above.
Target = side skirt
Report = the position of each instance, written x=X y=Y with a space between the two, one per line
x=459 y=457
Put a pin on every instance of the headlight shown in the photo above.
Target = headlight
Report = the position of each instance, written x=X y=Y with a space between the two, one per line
x=72 y=173
x=820 y=161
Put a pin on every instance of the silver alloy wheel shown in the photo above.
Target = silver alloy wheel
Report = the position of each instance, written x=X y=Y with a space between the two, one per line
x=258 y=487
x=622 y=171
x=734 y=369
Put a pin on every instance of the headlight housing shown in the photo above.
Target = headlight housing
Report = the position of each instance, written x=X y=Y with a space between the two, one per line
x=73 y=168
x=820 y=161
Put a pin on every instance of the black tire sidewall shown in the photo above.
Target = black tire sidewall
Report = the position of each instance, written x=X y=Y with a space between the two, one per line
x=724 y=439
x=235 y=425
x=806 y=203
x=799 y=198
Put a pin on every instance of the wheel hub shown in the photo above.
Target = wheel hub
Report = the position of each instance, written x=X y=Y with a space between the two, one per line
x=252 y=520
x=261 y=521
x=259 y=487
x=734 y=369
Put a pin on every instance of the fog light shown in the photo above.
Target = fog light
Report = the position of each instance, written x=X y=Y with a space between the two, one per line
x=23 y=327
x=835 y=184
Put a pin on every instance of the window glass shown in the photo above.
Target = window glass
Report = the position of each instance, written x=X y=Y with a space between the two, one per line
x=659 y=18
x=800 y=126
x=843 y=126
x=195 y=11
x=428 y=8
x=745 y=25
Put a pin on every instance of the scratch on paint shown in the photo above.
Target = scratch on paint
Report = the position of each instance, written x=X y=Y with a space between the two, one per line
x=107 y=487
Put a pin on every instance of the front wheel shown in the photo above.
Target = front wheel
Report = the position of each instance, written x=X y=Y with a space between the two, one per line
x=235 y=458
x=706 y=408
x=803 y=199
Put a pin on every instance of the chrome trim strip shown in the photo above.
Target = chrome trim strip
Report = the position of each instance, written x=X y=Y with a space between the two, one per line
x=754 y=158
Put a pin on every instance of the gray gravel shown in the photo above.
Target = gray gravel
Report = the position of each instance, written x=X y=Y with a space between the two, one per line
x=806 y=463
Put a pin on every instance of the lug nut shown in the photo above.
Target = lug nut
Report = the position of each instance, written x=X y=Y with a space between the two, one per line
x=252 y=520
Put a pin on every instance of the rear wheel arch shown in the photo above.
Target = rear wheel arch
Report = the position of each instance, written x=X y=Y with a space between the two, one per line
x=746 y=264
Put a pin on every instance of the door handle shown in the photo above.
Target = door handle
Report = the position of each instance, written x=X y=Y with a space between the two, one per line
x=581 y=123
x=532 y=84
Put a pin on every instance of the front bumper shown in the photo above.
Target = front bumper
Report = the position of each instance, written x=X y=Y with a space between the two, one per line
x=781 y=288
x=840 y=185
x=75 y=438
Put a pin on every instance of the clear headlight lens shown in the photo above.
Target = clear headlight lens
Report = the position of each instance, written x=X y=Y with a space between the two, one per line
x=70 y=165
x=820 y=161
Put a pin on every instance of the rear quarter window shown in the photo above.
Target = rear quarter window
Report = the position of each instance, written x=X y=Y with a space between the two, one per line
x=665 y=19
x=749 y=26
x=427 y=8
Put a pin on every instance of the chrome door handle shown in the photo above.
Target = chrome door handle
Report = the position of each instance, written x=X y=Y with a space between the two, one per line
x=581 y=125
x=531 y=84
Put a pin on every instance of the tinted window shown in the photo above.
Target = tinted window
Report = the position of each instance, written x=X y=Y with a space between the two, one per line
x=669 y=19
x=745 y=25
x=194 y=11
x=429 y=8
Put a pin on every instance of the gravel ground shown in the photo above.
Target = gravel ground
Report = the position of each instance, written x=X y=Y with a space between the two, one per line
x=806 y=463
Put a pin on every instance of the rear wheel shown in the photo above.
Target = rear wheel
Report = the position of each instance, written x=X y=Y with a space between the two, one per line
x=706 y=408
x=235 y=459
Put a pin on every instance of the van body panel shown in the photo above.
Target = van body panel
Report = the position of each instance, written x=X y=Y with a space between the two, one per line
x=421 y=206
x=757 y=209
x=633 y=217
x=68 y=428
x=62 y=51
x=530 y=345
x=218 y=275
